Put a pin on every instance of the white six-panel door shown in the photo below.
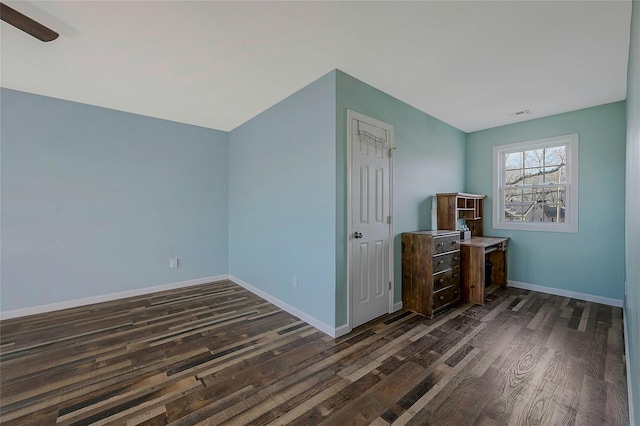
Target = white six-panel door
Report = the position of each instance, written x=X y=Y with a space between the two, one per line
x=370 y=143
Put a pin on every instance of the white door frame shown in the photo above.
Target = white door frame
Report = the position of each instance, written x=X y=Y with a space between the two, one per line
x=358 y=116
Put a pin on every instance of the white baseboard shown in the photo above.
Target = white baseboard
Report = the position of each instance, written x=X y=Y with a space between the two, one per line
x=567 y=293
x=628 y=362
x=345 y=329
x=325 y=328
x=342 y=330
x=106 y=297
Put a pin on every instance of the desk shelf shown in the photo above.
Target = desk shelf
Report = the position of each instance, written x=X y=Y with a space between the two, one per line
x=459 y=205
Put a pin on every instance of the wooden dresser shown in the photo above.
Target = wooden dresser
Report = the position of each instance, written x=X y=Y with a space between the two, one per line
x=430 y=271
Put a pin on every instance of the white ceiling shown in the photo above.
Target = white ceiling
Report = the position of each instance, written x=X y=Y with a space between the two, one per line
x=218 y=64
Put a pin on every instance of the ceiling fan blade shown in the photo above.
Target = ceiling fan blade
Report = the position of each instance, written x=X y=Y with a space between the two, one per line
x=26 y=24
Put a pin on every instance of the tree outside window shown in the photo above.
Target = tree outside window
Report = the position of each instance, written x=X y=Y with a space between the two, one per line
x=533 y=185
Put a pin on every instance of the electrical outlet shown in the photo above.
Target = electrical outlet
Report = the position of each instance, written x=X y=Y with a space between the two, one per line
x=173 y=263
x=295 y=281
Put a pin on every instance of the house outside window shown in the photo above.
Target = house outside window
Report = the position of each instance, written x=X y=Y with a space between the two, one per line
x=535 y=185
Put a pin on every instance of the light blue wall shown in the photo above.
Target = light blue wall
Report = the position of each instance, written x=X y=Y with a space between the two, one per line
x=632 y=302
x=282 y=179
x=288 y=189
x=591 y=261
x=96 y=201
x=429 y=158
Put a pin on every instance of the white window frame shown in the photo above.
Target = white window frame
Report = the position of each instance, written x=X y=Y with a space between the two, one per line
x=571 y=207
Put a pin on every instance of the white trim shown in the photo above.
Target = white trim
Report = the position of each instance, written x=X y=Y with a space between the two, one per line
x=342 y=330
x=571 y=219
x=346 y=329
x=333 y=332
x=392 y=291
x=628 y=362
x=351 y=115
x=567 y=293
x=325 y=328
x=106 y=297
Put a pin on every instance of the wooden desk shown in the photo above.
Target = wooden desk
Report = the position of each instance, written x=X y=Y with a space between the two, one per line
x=474 y=252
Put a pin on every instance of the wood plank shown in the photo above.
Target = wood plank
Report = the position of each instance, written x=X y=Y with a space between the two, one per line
x=217 y=354
x=371 y=404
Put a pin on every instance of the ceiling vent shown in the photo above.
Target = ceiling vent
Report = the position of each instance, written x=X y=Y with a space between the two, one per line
x=522 y=113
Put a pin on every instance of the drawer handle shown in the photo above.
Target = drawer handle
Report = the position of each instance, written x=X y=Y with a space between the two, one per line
x=440 y=244
x=441 y=298
x=455 y=291
x=454 y=242
x=441 y=280
x=455 y=257
x=455 y=275
x=441 y=262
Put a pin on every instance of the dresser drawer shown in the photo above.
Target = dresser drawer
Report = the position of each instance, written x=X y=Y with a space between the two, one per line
x=446 y=296
x=446 y=261
x=445 y=244
x=447 y=278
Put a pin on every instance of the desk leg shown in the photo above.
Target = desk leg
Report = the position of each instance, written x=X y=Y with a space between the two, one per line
x=472 y=274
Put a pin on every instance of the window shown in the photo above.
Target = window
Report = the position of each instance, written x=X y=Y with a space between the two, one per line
x=535 y=185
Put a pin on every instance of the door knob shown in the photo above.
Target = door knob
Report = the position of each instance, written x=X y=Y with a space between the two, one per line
x=357 y=234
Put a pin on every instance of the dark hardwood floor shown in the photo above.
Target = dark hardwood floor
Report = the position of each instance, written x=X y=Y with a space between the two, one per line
x=217 y=354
